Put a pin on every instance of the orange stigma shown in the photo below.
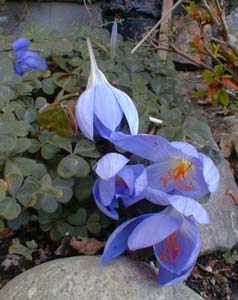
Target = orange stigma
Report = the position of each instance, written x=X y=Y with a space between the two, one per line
x=179 y=175
x=170 y=249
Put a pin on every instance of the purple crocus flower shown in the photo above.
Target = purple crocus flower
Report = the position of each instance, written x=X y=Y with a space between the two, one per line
x=118 y=180
x=174 y=237
x=27 y=59
x=101 y=107
x=177 y=169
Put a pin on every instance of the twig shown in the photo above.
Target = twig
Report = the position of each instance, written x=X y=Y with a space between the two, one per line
x=156 y=25
x=209 y=10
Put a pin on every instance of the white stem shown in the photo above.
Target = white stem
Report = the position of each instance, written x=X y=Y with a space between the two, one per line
x=155 y=120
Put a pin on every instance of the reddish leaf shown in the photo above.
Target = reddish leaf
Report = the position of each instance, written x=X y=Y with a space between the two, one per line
x=229 y=83
x=6 y=232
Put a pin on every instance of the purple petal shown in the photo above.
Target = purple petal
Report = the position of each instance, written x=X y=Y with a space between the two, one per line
x=33 y=60
x=189 y=207
x=127 y=175
x=107 y=190
x=84 y=113
x=151 y=147
x=167 y=278
x=21 y=43
x=110 y=164
x=153 y=230
x=117 y=242
x=106 y=106
x=109 y=211
x=180 y=250
x=101 y=130
x=141 y=181
x=128 y=201
x=157 y=196
x=210 y=173
x=129 y=110
x=186 y=148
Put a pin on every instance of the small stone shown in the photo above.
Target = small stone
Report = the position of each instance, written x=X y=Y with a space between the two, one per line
x=84 y=278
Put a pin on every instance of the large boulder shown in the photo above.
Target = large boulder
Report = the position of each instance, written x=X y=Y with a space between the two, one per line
x=84 y=278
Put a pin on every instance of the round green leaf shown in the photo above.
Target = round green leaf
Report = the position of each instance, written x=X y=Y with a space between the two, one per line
x=9 y=208
x=79 y=218
x=73 y=166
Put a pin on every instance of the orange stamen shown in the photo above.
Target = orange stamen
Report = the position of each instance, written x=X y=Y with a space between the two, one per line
x=170 y=249
x=179 y=175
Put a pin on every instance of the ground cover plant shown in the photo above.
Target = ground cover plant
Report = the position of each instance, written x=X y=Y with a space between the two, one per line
x=86 y=182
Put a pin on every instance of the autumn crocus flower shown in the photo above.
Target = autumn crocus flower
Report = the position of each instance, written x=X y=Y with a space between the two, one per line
x=177 y=168
x=174 y=237
x=27 y=59
x=101 y=107
x=118 y=180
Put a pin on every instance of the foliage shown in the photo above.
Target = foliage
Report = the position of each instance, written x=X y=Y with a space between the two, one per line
x=45 y=164
x=221 y=79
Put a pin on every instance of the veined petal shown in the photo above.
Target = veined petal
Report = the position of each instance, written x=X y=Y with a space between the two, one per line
x=110 y=164
x=186 y=148
x=106 y=106
x=167 y=278
x=110 y=210
x=117 y=242
x=21 y=43
x=189 y=207
x=179 y=251
x=84 y=112
x=128 y=108
x=153 y=230
x=101 y=130
x=107 y=190
x=151 y=147
x=157 y=196
x=128 y=201
x=210 y=173
x=141 y=180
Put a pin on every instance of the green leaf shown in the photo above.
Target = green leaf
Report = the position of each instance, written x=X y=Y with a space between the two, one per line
x=61 y=142
x=94 y=228
x=93 y=218
x=7 y=142
x=20 y=249
x=218 y=70
x=9 y=208
x=83 y=188
x=67 y=194
x=86 y=148
x=48 y=86
x=3 y=189
x=48 y=151
x=13 y=176
x=73 y=166
x=48 y=203
x=32 y=244
x=55 y=119
x=79 y=218
x=224 y=98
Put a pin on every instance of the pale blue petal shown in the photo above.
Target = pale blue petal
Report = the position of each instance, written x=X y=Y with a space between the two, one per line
x=129 y=110
x=151 y=147
x=186 y=148
x=153 y=230
x=84 y=112
x=107 y=190
x=110 y=164
x=179 y=251
x=106 y=107
x=167 y=278
x=210 y=173
x=189 y=207
x=117 y=242
x=141 y=178
x=109 y=211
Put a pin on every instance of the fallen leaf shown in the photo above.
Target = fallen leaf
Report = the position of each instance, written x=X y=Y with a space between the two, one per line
x=86 y=246
x=233 y=195
x=6 y=232
x=64 y=248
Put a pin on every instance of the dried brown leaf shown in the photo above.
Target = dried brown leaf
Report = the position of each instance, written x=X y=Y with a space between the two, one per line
x=233 y=195
x=86 y=246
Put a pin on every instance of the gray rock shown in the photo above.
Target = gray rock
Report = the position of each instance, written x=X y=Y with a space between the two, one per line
x=83 y=278
x=232 y=22
x=222 y=233
x=57 y=15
